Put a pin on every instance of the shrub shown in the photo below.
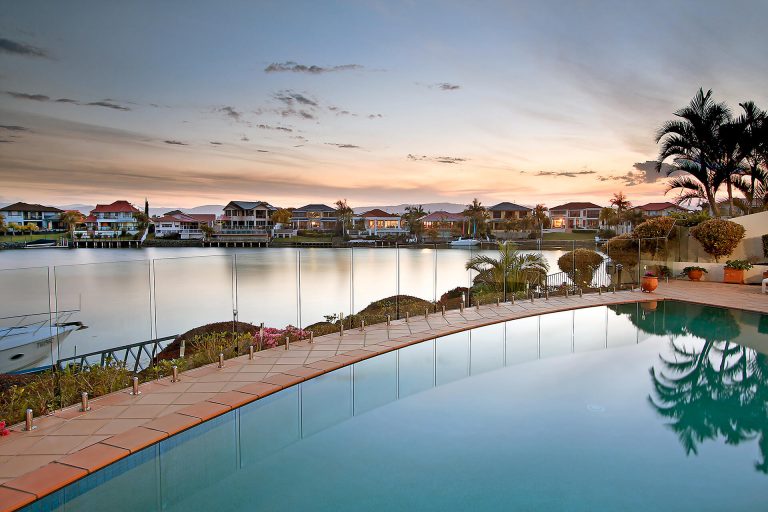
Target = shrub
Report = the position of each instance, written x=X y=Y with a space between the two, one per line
x=695 y=267
x=454 y=294
x=606 y=233
x=657 y=227
x=765 y=245
x=580 y=265
x=738 y=264
x=690 y=219
x=718 y=237
x=623 y=250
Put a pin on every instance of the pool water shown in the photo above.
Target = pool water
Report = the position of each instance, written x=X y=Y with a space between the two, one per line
x=618 y=408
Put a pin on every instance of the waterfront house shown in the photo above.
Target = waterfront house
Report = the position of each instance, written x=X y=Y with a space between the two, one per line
x=503 y=214
x=44 y=217
x=111 y=220
x=249 y=219
x=315 y=217
x=377 y=222
x=444 y=225
x=187 y=226
x=659 y=209
x=575 y=215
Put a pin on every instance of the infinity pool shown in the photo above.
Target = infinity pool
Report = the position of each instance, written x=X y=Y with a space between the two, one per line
x=617 y=408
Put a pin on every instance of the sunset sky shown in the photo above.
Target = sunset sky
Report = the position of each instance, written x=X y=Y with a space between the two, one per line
x=380 y=102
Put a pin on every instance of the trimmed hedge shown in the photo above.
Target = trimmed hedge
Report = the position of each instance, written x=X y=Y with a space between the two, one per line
x=718 y=237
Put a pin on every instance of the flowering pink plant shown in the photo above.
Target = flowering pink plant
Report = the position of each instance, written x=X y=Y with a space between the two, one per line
x=3 y=431
x=274 y=337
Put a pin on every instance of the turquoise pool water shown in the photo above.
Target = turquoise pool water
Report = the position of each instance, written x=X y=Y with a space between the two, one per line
x=602 y=409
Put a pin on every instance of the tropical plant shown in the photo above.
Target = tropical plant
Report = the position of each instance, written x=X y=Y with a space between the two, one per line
x=207 y=230
x=477 y=215
x=71 y=219
x=344 y=213
x=30 y=228
x=412 y=218
x=690 y=219
x=623 y=249
x=718 y=237
x=512 y=271
x=3 y=226
x=692 y=268
x=580 y=265
x=764 y=238
x=620 y=201
x=281 y=216
x=609 y=217
x=692 y=142
x=541 y=217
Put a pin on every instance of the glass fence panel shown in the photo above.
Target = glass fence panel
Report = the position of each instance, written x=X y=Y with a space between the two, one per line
x=522 y=340
x=375 y=381
x=486 y=348
x=452 y=358
x=266 y=287
x=416 y=368
x=326 y=400
x=269 y=425
x=417 y=273
x=556 y=333
x=326 y=283
x=27 y=336
x=452 y=273
x=191 y=292
x=589 y=329
x=110 y=305
x=375 y=278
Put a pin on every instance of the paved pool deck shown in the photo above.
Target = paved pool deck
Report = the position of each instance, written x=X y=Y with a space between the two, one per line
x=69 y=444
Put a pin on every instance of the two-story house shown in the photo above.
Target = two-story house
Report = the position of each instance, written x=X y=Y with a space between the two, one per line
x=576 y=215
x=186 y=225
x=377 y=222
x=504 y=212
x=659 y=209
x=109 y=220
x=245 y=218
x=44 y=217
x=315 y=217
x=444 y=225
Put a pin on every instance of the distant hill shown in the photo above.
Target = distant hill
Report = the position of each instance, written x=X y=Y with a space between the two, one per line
x=428 y=207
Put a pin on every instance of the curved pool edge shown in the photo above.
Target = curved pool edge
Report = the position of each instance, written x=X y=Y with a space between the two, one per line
x=57 y=474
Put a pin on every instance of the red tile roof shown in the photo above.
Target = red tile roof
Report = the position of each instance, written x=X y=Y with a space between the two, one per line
x=185 y=217
x=576 y=206
x=27 y=207
x=443 y=217
x=654 y=207
x=376 y=212
x=117 y=206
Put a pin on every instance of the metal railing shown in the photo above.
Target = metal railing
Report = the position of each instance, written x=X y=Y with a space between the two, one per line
x=135 y=357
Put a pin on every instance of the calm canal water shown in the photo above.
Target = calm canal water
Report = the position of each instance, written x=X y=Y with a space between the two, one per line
x=125 y=296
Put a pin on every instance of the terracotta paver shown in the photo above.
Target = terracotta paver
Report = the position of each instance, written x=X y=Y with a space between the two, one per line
x=120 y=423
x=94 y=457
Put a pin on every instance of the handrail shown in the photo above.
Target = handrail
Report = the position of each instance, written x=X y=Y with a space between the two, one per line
x=136 y=351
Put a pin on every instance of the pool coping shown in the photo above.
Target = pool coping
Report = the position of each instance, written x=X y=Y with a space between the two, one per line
x=53 y=476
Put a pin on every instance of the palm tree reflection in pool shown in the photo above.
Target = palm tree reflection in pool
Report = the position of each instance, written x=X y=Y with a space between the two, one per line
x=716 y=389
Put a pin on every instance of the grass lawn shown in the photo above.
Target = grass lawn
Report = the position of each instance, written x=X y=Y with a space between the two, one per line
x=570 y=236
x=299 y=239
x=30 y=237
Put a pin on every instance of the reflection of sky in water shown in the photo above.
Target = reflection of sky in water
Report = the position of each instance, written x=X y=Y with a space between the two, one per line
x=490 y=419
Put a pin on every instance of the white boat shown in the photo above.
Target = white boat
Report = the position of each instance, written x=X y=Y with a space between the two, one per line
x=28 y=346
x=464 y=242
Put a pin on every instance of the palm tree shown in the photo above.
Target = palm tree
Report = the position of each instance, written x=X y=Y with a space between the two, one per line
x=692 y=142
x=344 y=213
x=513 y=270
x=3 y=226
x=609 y=217
x=621 y=202
x=476 y=212
x=412 y=218
x=541 y=217
x=754 y=146
x=70 y=219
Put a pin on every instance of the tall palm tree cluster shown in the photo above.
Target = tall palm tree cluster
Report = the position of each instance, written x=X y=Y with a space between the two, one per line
x=715 y=148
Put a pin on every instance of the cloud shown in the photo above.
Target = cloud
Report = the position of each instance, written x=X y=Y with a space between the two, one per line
x=13 y=128
x=375 y=116
x=291 y=98
x=176 y=143
x=290 y=66
x=437 y=159
x=262 y=151
x=565 y=174
x=244 y=138
x=445 y=86
x=26 y=96
x=215 y=143
x=231 y=113
x=107 y=103
x=3 y=141
x=270 y=127
x=343 y=146
x=15 y=48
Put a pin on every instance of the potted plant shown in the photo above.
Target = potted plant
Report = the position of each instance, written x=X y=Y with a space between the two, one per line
x=695 y=273
x=650 y=282
x=734 y=271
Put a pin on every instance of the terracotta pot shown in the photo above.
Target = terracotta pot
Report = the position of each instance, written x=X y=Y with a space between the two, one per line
x=765 y=274
x=649 y=284
x=733 y=275
x=695 y=275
